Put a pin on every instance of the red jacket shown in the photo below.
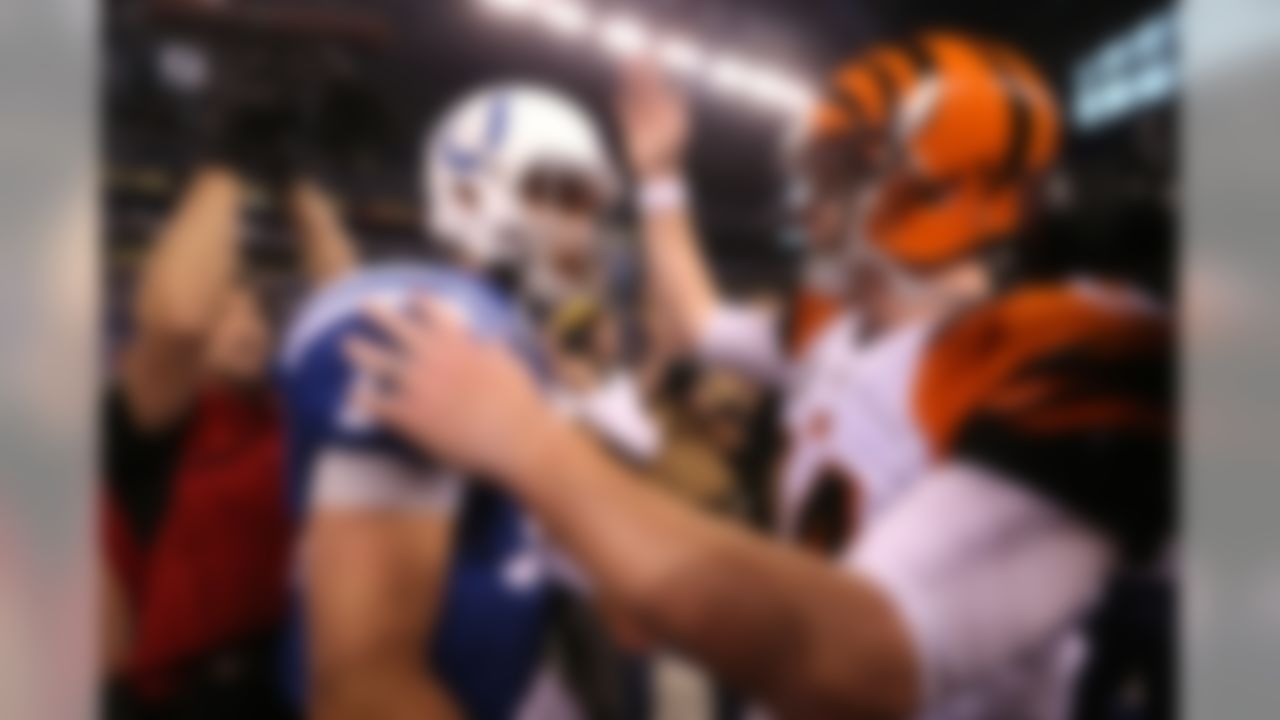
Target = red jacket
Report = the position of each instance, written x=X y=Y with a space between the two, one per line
x=215 y=570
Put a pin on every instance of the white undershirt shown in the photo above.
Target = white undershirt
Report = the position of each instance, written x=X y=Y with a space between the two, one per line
x=992 y=582
x=744 y=338
x=370 y=480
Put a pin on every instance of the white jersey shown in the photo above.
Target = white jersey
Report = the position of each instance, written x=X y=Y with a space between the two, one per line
x=848 y=433
x=856 y=470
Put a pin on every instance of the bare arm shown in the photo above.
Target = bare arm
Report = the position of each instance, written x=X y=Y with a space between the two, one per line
x=687 y=306
x=374 y=580
x=185 y=279
x=655 y=126
x=970 y=576
x=679 y=275
x=327 y=248
x=811 y=641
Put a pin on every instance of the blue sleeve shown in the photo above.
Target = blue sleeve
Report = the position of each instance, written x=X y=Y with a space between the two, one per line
x=318 y=388
x=317 y=381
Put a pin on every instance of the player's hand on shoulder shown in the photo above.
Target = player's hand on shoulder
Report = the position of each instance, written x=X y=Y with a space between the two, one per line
x=467 y=400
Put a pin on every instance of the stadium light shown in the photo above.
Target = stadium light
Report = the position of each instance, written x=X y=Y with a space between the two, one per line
x=762 y=85
x=565 y=17
x=1128 y=73
x=183 y=67
x=680 y=54
x=627 y=36
x=624 y=36
x=730 y=74
x=788 y=92
x=509 y=7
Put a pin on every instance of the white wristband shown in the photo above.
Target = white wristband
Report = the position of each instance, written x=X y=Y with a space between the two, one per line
x=663 y=194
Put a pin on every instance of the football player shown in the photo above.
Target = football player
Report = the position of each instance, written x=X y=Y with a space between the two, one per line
x=971 y=459
x=420 y=597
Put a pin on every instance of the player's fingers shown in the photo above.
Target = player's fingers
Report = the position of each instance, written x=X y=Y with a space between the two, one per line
x=652 y=81
x=633 y=89
x=395 y=323
x=372 y=402
x=378 y=362
x=441 y=316
x=378 y=393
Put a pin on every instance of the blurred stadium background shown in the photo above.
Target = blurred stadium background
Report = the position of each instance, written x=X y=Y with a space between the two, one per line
x=1115 y=64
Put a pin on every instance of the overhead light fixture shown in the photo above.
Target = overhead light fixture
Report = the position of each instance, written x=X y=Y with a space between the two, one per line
x=730 y=73
x=183 y=66
x=509 y=7
x=624 y=36
x=786 y=91
x=680 y=54
x=763 y=85
x=1130 y=72
x=565 y=17
x=627 y=36
x=760 y=84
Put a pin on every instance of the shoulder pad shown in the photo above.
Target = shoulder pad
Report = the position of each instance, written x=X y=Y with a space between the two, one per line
x=1068 y=388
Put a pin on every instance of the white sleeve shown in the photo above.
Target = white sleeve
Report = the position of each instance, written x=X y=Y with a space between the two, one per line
x=365 y=480
x=746 y=339
x=983 y=573
x=615 y=411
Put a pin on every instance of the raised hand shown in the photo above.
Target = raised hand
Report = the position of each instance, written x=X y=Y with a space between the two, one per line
x=654 y=119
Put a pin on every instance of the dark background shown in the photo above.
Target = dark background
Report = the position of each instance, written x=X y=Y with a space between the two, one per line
x=1122 y=178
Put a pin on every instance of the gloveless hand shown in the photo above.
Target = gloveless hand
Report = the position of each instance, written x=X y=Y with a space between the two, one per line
x=654 y=120
x=462 y=399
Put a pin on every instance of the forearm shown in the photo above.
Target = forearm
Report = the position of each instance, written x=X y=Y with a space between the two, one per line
x=696 y=317
x=185 y=280
x=679 y=276
x=384 y=691
x=810 y=641
x=655 y=124
x=190 y=270
x=328 y=251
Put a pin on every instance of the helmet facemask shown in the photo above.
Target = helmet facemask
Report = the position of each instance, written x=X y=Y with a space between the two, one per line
x=557 y=243
x=884 y=278
x=831 y=178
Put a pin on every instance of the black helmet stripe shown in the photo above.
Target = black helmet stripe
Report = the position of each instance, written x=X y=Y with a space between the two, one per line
x=1015 y=159
x=838 y=96
x=921 y=57
x=888 y=89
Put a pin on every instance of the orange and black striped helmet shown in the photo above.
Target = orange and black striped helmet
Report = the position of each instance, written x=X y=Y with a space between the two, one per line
x=951 y=129
x=844 y=138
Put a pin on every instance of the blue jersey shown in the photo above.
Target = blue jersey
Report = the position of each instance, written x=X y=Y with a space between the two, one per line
x=490 y=631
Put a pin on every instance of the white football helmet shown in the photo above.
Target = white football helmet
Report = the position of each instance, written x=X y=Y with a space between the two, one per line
x=478 y=159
